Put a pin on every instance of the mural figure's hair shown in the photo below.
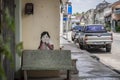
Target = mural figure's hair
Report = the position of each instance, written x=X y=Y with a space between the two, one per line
x=44 y=33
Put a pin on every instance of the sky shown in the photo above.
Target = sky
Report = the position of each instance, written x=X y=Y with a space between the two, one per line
x=84 y=5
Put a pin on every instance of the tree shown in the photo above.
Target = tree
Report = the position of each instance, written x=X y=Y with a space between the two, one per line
x=76 y=14
x=5 y=48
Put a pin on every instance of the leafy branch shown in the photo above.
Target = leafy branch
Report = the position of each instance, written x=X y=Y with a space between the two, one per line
x=5 y=45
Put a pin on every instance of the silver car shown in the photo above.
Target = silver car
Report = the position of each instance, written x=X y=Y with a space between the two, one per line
x=75 y=33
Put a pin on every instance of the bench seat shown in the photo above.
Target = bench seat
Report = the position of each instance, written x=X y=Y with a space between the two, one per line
x=47 y=60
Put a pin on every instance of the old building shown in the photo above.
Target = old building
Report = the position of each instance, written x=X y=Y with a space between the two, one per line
x=99 y=12
x=83 y=19
x=90 y=16
x=115 y=16
x=107 y=17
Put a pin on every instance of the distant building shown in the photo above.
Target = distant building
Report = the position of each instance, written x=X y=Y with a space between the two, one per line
x=105 y=13
x=90 y=16
x=115 y=16
x=83 y=19
x=99 y=12
x=107 y=17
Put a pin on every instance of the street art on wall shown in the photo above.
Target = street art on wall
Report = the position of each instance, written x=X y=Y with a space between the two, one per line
x=45 y=42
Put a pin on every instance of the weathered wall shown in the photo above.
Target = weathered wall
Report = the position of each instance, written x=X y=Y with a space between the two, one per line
x=116 y=16
x=46 y=17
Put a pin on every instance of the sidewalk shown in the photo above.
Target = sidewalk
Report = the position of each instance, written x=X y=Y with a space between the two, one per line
x=88 y=67
x=116 y=36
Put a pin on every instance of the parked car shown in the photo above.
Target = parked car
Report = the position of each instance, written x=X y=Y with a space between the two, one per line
x=95 y=36
x=75 y=32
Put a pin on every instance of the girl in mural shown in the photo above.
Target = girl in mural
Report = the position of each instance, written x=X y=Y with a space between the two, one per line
x=45 y=43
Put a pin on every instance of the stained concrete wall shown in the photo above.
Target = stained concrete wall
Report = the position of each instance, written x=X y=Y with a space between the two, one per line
x=46 y=17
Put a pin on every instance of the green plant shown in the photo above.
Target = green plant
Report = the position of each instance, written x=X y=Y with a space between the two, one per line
x=19 y=48
x=107 y=26
x=5 y=45
x=6 y=52
x=117 y=28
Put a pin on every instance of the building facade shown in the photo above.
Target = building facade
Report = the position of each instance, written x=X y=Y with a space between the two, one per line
x=99 y=12
x=90 y=14
x=107 y=17
x=115 y=16
x=46 y=17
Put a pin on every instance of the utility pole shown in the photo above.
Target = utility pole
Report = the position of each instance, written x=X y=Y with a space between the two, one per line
x=69 y=13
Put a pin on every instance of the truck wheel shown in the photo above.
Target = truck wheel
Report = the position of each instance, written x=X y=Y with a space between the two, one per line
x=108 y=48
x=76 y=41
x=72 y=39
x=81 y=46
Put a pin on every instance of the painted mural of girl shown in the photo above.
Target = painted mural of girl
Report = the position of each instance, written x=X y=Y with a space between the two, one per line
x=45 y=43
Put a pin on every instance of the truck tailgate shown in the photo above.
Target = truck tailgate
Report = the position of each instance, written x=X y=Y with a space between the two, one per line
x=98 y=38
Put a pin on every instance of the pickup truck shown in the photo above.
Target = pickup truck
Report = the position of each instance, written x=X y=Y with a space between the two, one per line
x=95 y=36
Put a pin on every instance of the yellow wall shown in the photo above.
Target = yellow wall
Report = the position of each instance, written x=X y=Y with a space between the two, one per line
x=46 y=17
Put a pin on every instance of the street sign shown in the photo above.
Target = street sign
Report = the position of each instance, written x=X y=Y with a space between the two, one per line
x=65 y=19
x=69 y=9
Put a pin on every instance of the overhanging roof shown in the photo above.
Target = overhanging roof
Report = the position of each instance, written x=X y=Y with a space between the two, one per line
x=64 y=1
x=116 y=3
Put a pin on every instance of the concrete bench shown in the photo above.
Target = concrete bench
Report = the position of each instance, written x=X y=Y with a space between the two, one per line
x=46 y=60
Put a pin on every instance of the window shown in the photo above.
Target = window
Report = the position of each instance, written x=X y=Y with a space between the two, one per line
x=95 y=28
x=78 y=28
x=117 y=10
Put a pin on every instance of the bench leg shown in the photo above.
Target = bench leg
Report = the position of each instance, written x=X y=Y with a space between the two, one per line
x=74 y=64
x=68 y=75
x=25 y=75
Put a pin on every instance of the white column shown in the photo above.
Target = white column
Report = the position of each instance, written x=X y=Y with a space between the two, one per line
x=67 y=27
x=114 y=23
x=18 y=33
x=61 y=24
